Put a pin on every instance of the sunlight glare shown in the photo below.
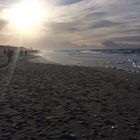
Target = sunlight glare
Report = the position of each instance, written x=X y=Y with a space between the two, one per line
x=27 y=14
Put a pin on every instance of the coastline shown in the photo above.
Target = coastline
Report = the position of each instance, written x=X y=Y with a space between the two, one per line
x=52 y=101
x=58 y=57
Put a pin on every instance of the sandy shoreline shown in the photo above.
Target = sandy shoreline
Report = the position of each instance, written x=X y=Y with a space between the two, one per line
x=129 y=63
x=55 y=102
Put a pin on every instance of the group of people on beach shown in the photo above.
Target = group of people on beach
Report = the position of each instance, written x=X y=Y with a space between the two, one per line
x=23 y=53
x=10 y=53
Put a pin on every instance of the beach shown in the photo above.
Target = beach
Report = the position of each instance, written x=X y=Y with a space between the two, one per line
x=40 y=101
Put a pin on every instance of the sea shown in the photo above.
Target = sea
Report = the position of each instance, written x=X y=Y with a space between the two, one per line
x=116 y=59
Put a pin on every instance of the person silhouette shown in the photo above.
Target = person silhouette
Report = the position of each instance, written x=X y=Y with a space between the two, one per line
x=26 y=52
x=5 y=52
x=10 y=53
x=21 y=53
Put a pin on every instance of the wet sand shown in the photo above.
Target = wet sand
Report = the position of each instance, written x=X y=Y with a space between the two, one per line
x=55 y=102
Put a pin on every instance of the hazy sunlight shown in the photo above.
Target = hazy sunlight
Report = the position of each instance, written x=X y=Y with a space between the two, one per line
x=27 y=14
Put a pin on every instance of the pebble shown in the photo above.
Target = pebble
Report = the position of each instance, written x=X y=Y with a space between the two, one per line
x=68 y=137
x=33 y=138
x=133 y=138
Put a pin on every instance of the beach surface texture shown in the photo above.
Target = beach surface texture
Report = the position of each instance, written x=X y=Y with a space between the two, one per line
x=55 y=102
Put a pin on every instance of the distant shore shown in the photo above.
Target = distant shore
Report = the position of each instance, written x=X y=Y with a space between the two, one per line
x=50 y=101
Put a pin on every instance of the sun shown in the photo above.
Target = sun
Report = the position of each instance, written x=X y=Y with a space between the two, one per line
x=26 y=14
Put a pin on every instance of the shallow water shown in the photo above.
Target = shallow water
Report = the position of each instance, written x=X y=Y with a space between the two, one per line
x=126 y=60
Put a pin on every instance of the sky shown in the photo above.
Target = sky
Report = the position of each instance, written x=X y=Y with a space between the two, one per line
x=77 y=24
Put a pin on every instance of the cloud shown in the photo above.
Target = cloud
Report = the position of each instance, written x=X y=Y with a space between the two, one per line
x=114 y=45
x=104 y=24
x=2 y=24
x=63 y=27
x=135 y=38
x=4 y=3
x=97 y=14
x=110 y=44
x=68 y=2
